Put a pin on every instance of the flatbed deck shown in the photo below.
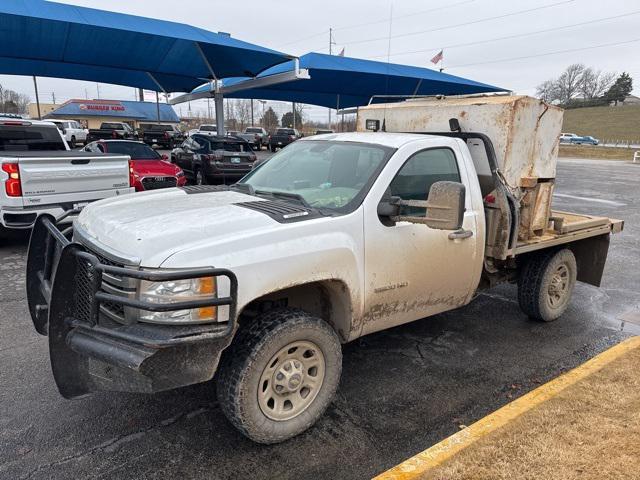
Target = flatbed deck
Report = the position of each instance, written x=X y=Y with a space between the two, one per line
x=567 y=227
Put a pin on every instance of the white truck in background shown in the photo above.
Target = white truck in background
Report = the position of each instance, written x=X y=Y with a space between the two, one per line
x=334 y=237
x=72 y=131
x=40 y=175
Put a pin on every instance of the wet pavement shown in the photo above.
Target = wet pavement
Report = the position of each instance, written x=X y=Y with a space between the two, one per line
x=402 y=390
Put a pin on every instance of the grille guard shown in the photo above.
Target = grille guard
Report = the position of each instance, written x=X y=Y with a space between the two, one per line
x=87 y=356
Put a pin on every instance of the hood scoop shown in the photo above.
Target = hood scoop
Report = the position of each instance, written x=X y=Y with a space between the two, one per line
x=281 y=212
x=193 y=189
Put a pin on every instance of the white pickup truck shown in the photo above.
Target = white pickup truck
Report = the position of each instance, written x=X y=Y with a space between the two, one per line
x=335 y=237
x=39 y=175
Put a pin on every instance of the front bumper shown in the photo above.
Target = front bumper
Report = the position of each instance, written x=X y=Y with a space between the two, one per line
x=90 y=352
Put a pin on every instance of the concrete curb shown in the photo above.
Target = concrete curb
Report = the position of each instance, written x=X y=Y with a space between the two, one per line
x=434 y=456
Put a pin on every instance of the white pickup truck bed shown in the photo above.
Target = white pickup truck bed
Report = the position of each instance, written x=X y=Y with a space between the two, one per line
x=57 y=181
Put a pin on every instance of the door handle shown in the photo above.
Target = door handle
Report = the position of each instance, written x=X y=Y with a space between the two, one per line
x=460 y=234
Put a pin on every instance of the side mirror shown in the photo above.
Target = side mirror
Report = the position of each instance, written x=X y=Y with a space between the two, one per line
x=444 y=209
x=389 y=207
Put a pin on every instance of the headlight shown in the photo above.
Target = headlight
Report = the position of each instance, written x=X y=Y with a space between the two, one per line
x=179 y=291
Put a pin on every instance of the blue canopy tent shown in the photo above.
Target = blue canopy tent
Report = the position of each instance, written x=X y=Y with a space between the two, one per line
x=42 y=38
x=343 y=82
x=56 y=40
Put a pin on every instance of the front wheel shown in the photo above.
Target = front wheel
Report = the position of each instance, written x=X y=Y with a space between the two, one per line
x=72 y=142
x=546 y=283
x=279 y=375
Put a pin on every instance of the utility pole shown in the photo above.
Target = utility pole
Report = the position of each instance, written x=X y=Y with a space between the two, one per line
x=53 y=97
x=331 y=43
x=294 y=114
x=252 y=112
x=98 y=89
x=35 y=86
x=141 y=95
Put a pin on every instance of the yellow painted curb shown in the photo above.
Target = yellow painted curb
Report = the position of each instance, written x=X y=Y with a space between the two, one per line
x=419 y=464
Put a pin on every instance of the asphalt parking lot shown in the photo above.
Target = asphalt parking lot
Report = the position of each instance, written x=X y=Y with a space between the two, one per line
x=402 y=390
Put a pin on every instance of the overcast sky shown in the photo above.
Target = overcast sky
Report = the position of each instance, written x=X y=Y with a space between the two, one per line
x=474 y=43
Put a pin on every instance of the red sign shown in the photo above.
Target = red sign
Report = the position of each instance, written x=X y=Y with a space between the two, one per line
x=102 y=107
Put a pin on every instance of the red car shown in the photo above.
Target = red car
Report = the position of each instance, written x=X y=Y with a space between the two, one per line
x=148 y=169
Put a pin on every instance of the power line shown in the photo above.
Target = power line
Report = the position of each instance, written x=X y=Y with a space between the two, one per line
x=386 y=20
x=456 y=25
x=509 y=37
x=556 y=52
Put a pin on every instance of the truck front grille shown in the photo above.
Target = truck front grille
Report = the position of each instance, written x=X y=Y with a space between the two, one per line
x=154 y=183
x=112 y=284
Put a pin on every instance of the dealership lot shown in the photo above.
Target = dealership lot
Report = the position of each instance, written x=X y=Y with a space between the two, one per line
x=401 y=391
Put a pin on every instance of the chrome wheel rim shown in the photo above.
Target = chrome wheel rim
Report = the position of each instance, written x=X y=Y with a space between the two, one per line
x=198 y=178
x=559 y=286
x=291 y=380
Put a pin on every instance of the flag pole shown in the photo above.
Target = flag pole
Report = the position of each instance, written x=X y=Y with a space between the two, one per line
x=442 y=61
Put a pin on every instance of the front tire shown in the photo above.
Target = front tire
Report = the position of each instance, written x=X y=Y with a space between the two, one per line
x=72 y=142
x=546 y=283
x=279 y=375
x=201 y=179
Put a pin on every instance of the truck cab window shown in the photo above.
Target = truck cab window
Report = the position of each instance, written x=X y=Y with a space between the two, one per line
x=420 y=171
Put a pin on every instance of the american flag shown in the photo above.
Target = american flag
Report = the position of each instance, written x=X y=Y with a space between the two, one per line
x=341 y=54
x=438 y=58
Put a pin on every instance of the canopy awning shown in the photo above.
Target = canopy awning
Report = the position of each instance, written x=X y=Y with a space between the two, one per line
x=343 y=82
x=50 y=39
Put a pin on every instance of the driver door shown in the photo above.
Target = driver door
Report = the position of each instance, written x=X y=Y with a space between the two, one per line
x=411 y=270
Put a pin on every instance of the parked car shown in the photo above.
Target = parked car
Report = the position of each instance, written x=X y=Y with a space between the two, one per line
x=167 y=136
x=112 y=130
x=262 y=282
x=41 y=176
x=72 y=131
x=149 y=170
x=282 y=138
x=323 y=131
x=567 y=137
x=257 y=136
x=208 y=129
x=207 y=159
x=586 y=140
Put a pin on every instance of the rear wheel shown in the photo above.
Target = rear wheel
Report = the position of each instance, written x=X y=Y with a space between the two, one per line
x=72 y=142
x=546 y=283
x=279 y=375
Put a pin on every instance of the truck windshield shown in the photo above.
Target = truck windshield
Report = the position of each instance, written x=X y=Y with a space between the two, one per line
x=30 y=138
x=332 y=175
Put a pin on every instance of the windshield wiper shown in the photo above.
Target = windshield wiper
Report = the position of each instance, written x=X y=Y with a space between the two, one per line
x=286 y=196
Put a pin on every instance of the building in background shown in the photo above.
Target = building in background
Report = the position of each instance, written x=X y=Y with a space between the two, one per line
x=92 y=113
x=45 y=109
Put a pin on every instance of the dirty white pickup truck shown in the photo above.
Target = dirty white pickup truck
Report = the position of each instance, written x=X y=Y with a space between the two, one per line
x=40 y=175
x=335 y=237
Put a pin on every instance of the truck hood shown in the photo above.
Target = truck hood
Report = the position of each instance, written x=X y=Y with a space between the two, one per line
x=151 y=226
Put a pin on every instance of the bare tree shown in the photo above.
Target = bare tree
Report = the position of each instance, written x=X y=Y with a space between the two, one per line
x=595 y=83
x=569 y=82
x=548 y=91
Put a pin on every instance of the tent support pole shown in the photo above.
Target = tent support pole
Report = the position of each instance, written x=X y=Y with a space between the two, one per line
x=158 y=105
x=219 y=104
x=35 y=86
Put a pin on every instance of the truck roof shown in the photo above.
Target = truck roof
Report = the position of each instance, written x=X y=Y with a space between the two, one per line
x=394 y=140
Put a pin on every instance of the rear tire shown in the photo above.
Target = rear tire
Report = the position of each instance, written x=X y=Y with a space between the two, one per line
x=72 y=142
x=546 y=283
x=279 y=375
